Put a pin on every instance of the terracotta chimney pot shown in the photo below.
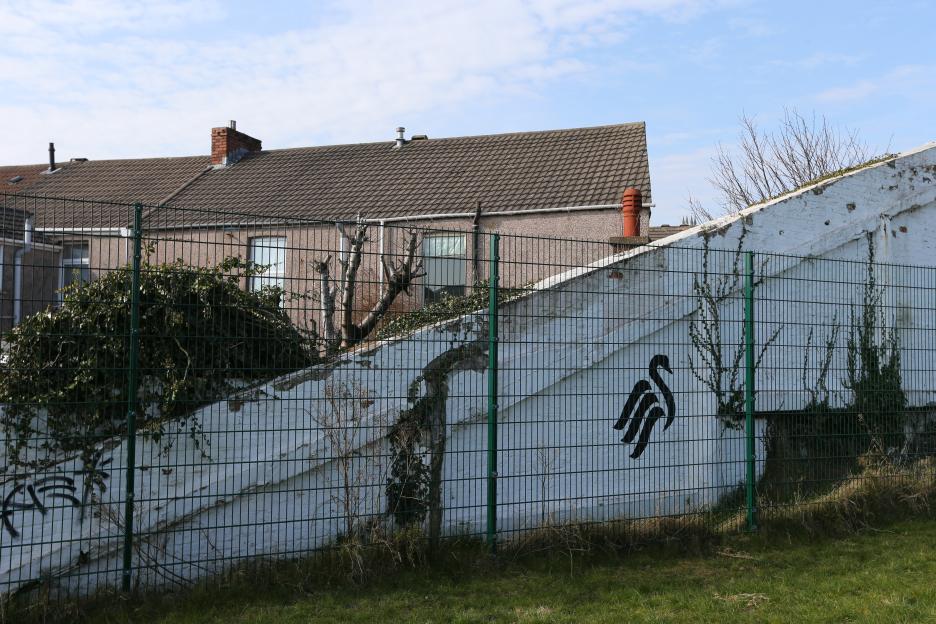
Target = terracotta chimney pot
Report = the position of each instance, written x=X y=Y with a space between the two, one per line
x=630 y=212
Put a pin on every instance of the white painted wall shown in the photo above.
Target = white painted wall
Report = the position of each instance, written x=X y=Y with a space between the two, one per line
x=570 y=353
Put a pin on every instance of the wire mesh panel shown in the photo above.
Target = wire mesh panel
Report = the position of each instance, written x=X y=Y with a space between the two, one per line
x=622 y=378
x=846 y=386
x=64 y=308
x=298 y=385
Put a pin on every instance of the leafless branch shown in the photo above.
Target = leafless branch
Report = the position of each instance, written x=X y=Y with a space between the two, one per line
x=767 y=164
x=338 y=299
x=398 y=279
x=327 y=297
x=345 y=423
x=697 y=212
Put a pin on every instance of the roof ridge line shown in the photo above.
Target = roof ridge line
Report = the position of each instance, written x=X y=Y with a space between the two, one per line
x=461 y=136
x=171 y=195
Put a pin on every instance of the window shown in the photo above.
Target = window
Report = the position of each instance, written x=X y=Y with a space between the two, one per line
x=269 y=252
x=76 y=264
x=444 y=264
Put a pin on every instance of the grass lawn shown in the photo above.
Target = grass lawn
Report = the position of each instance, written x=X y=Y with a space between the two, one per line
x=876 y=575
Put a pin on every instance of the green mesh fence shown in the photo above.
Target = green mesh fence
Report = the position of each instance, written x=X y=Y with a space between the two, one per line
x=183 y=391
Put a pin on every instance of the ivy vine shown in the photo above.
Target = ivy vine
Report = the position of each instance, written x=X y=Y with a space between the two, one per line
x=63 y=384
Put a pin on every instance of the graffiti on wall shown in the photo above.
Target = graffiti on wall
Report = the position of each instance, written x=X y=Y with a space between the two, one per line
x=643 y=408
x=42 y=493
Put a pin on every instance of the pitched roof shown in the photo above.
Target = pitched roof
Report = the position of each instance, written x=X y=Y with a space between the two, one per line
x=517 y=171
x=662 y=231
x=25 y=176
x=99 y=182
x=505 y=172
x=12 y=223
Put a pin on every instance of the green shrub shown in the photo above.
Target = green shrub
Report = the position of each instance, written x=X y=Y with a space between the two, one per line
x=64 y=383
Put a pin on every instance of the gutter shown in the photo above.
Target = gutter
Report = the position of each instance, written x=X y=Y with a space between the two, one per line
x=299 y=221
x=506 y=213
x=123 y=232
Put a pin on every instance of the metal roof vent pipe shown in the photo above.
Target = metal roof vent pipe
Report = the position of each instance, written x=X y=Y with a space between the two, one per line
x=400 y=141
x=51 y=157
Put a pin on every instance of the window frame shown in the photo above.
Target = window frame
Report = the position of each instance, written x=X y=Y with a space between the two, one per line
x=67 y=264
x=463 y=272
x=273 y=277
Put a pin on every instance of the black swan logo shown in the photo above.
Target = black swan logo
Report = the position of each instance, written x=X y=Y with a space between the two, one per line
x=648 y=410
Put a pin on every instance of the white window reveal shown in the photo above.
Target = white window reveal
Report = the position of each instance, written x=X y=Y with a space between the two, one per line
x=444 y=264
x=269 y=252
x=76 y=264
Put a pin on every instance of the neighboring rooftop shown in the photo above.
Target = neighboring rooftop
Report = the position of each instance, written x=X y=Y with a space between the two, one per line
x=518 y=171
x=663 y=231
x=505 y=172
x=12 y=222
x=147 y=180
x=19 y=178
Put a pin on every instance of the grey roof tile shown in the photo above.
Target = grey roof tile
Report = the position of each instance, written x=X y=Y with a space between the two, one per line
x=517 y=171
x=25 y=176
x=505 y=172
x=88 y=194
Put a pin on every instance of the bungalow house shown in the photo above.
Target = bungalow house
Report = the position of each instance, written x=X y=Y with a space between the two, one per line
x=279 y=207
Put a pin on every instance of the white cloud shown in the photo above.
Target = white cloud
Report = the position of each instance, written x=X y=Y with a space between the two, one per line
x=751 y=27
x=106 y=78
x=675 y=177
x=857 y=91
x=819 y=60
x=904 y=81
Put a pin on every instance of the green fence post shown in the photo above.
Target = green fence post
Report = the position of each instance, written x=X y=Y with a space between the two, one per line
x=132 y=381
x=493 y=282
x=749 y=364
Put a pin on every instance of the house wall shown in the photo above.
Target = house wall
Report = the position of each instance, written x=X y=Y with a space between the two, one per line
x=43 y=269
x=523 y=260
x=6 y=287
x=39 y=278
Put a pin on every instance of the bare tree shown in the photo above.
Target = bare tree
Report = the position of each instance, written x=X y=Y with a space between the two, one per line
x=354 y=437
x=338 y=296
x=698 y=213
x=768 y=164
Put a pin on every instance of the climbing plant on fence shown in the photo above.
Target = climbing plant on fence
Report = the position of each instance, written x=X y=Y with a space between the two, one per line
x=874 y=376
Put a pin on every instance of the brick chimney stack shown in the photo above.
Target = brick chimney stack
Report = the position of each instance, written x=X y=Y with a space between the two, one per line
x=228 y=145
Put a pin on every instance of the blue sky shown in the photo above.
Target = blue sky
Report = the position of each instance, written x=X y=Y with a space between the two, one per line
x=110 y=79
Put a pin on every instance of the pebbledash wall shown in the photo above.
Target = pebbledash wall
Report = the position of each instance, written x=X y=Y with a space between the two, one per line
x=208 y=243
x=588 y=333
